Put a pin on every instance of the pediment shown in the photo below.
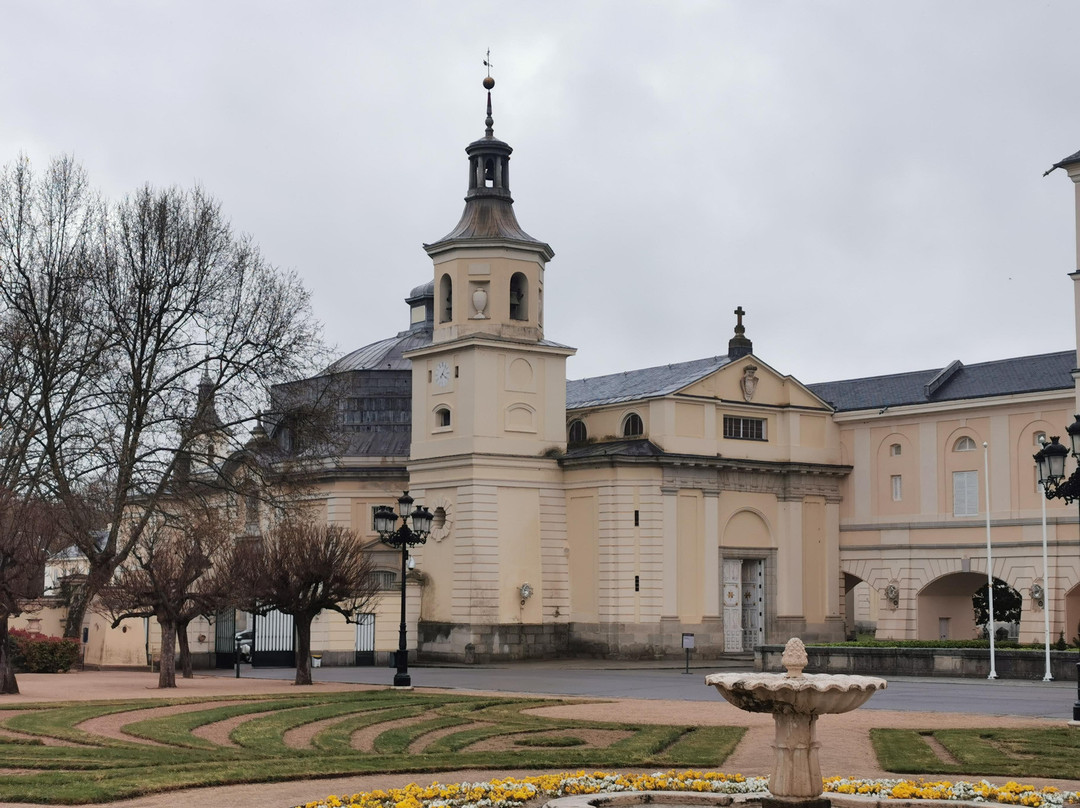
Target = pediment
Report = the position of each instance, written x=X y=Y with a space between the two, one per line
x=751 y=380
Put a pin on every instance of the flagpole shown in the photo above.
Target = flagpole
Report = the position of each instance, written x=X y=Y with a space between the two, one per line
x=1047 y=677
x=989 y=560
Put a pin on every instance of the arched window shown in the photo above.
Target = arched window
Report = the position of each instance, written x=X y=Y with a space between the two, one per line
x=632 y=426
x=577 y=432
x=964 y=444
x=895 y=450
x=446 y=297
x=519 y=297
x=442 y=417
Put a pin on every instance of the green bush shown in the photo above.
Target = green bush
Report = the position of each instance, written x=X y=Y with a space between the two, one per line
x=38 y=653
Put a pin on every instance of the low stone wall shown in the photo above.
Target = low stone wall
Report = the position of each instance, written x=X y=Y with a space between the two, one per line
x=962 y=662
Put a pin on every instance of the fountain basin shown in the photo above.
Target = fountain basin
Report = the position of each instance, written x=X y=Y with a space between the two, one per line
x=809 y=693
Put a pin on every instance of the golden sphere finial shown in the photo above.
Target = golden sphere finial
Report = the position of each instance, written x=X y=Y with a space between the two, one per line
x=489 y=82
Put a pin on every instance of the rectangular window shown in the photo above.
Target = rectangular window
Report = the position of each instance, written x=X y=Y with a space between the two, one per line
x=744 y=428
x=897 y=490
x=965 y=488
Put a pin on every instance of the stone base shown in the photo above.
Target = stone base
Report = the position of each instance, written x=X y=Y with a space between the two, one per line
x=794 y=802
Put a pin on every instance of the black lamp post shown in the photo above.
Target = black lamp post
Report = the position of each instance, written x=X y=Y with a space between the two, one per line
x=402 y=538
x=1050 y=463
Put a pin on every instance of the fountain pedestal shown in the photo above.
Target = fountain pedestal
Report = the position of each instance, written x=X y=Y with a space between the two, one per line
x=795 y=701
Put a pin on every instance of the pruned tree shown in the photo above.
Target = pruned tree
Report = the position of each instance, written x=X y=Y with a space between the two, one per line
x=300 y=568
x=177 y=571
x=149 y=334
x=26 y=528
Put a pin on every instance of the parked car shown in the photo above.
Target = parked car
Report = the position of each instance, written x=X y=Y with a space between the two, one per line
x=245 y=640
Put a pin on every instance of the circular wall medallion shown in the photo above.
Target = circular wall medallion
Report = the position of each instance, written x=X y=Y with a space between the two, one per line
x=442 y=512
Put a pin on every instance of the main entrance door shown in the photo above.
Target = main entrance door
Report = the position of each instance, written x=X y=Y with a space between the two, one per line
x=743 y=594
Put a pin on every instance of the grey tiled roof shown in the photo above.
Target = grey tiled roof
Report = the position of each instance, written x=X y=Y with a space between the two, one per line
x=639 y=447
x=633 y=385
x=1024 y=374
x=384 y=354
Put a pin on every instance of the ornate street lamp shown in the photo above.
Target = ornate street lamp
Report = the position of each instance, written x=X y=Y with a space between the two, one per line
x=1050 y=464
x=401 y=539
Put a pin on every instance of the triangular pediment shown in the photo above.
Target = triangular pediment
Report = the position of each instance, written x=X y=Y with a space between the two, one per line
x=751 y=380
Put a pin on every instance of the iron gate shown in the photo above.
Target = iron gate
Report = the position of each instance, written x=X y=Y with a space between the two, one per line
x=275 y=641
x=225 y=639
x=365 y=639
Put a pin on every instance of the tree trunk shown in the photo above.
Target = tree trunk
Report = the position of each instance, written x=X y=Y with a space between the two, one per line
x=303 y=648
x=167 y=662
x=8 y=685
x=76 y=610
x=185 y=649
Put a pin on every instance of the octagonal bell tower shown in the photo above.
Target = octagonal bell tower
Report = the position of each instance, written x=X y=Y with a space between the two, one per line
x=488 y=421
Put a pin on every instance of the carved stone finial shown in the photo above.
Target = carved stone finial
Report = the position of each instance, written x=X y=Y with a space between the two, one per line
x=794 y=658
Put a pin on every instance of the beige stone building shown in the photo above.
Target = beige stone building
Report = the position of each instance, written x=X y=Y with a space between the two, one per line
x=719 y=498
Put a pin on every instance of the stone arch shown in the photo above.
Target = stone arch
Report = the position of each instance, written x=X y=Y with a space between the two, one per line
x=520 y=417
x=747 y=527
x=1072 y=613
x=519 y=296
x=895 y=487
x=861 y=604
x=948 y=598
x=446 y=299
x=1027 y=488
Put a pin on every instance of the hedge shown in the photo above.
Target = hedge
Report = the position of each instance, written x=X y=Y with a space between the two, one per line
x=38 y=653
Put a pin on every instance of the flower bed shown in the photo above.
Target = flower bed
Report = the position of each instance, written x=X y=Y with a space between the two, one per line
x=511 y=792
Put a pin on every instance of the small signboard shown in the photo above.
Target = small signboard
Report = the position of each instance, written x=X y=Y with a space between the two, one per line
x=688 y=641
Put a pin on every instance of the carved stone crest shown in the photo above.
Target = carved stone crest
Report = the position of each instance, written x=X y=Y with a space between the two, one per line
x=749 y=382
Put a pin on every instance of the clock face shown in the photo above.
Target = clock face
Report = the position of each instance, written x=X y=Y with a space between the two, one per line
x=442 y=374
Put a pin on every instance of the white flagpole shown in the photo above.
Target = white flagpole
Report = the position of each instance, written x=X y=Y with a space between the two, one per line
x=989 y=560
x=1047 y=677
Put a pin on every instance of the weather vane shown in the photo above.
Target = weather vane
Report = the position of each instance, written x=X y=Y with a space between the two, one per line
x=487 y=62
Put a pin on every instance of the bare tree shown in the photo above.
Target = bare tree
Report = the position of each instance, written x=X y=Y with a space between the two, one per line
x=300 y=568
x=26 y=526
x=175 y=573
x=137 y=321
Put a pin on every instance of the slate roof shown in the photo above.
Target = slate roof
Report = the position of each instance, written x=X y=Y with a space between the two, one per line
x=633 y=385
x=1068 y=161
x=639 y=447
x=1024 y=374
x=384 y=354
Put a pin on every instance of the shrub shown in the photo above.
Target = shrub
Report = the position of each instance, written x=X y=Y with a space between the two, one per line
x=38 y=653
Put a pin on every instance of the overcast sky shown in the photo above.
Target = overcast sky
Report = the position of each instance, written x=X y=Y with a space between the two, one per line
x=864 y=178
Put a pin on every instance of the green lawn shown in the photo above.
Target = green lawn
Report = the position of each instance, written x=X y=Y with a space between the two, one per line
x=1012 y=753
x=96 y=768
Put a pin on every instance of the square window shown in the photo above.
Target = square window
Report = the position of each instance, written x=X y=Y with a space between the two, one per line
x=744 y=428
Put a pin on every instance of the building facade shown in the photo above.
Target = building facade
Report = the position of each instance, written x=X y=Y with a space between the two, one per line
x=719 y=498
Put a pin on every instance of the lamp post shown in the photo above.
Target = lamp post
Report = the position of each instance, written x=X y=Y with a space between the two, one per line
x=401 y=539
x=1050 y=463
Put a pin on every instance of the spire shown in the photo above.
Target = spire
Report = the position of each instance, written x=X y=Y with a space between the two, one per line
x=739 y=345
x=489 y=212
x=206 y=418
x=489 y=82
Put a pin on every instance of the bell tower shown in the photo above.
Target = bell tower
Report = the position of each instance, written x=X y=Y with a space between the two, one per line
x=488 y=421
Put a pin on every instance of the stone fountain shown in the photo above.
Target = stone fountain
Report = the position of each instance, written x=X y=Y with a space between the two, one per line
x=795 y=700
